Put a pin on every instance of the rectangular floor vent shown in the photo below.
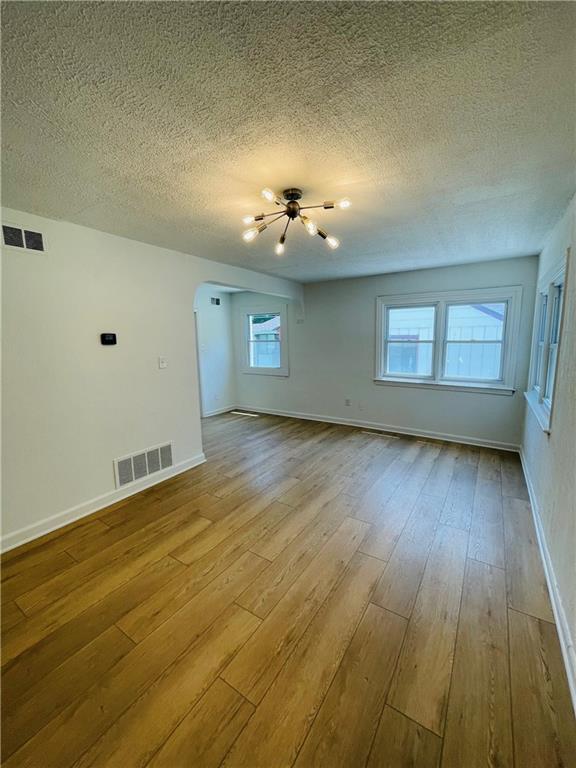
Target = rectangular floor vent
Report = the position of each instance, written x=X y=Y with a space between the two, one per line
x=128 y=469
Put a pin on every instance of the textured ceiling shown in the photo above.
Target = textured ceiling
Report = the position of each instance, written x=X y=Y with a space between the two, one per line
x=451 y=126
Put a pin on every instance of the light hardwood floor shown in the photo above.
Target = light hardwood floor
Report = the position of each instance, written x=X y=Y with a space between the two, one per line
x=313 y=595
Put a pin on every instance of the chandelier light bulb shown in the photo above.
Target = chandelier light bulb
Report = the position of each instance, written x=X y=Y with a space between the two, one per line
x=311 y=226
x=344 y=203
x=267 y=194
x=249 y=234
x=333 y=242
x=279 y=250
x=248 y=220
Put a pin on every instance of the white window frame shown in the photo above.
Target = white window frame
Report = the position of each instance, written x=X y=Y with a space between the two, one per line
x=281 y=310
x=539 y=398
x=509 y=295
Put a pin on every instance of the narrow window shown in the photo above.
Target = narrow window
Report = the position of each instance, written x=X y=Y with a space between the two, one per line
x=540 y=339
x=265 y=343
x=554 y=338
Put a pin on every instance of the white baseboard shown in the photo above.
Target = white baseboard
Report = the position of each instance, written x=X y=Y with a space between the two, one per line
x=567 y=642
x=218 y=411
x=387 y=428
x=30 y=532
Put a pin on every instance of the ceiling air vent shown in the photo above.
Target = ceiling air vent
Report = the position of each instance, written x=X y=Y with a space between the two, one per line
x=129 y=469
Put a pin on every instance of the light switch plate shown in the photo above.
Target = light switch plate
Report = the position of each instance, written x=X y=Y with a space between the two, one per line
x=162 y=362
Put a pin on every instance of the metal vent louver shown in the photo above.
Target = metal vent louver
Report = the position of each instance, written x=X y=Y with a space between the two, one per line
x=166 y=455
x=153 y=460
x=33 y=240
x=129 y=469
x=12 y=236
x=140 y=468
x=124 y=471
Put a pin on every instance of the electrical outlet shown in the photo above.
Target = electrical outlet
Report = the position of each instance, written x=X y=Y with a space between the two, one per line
x=162 y=363
x=347 y=401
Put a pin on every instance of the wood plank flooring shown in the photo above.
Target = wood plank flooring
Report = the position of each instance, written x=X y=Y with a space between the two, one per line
x=312 y=595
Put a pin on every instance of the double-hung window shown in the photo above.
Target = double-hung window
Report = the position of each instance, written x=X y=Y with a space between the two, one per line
x=547 y=329
x=553 y=341
x=265 y=342
x=457 y=339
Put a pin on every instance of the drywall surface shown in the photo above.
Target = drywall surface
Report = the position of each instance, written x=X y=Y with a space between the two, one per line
x=70 y=405
x=332 y=358
x=215 y=350
x=550 y=460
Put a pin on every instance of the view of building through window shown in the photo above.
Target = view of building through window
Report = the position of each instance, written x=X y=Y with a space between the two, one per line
x=410 y=340
x=473 y=338
x=474 y=341
x=264 y=340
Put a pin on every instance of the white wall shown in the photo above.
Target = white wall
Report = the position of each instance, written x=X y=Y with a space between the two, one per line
x=215 y=350
x=550 y=460
x=70 y=405
x=332 y=348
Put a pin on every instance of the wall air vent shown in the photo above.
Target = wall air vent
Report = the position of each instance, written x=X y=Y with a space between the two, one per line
x=33 y=240
x=22 y=238
x=13 y=236
x=129 y=469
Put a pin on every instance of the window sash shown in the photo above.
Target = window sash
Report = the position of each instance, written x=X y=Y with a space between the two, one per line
x=498 y=378
x=547 y=338
x=387 y=341
x=551 y=373
x=256 y=348
x=392 y=343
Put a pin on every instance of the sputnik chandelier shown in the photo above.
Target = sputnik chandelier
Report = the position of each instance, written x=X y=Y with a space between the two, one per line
x=292 y=211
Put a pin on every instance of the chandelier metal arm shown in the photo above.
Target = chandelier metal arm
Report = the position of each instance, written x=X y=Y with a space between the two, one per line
x=286 y=228
x=309 y=207
x=277 y=217
x=274 y=213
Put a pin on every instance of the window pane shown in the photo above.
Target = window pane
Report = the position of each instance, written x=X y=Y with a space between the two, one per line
x=556 y=310
x=469 y=360
x=551 y=373
x=264 y=326
x=411 y=323
x=409 y=358
x=264 y=339
x=264 y=354
x=538 y=364
x=476 y=322
x=542 y=322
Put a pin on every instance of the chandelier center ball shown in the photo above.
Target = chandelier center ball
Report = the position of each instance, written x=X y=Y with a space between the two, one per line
x=292 y=209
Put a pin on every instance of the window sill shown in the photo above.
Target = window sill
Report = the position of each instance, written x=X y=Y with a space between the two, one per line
x=539 y=410
x=451 y=387
x=267 y=371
